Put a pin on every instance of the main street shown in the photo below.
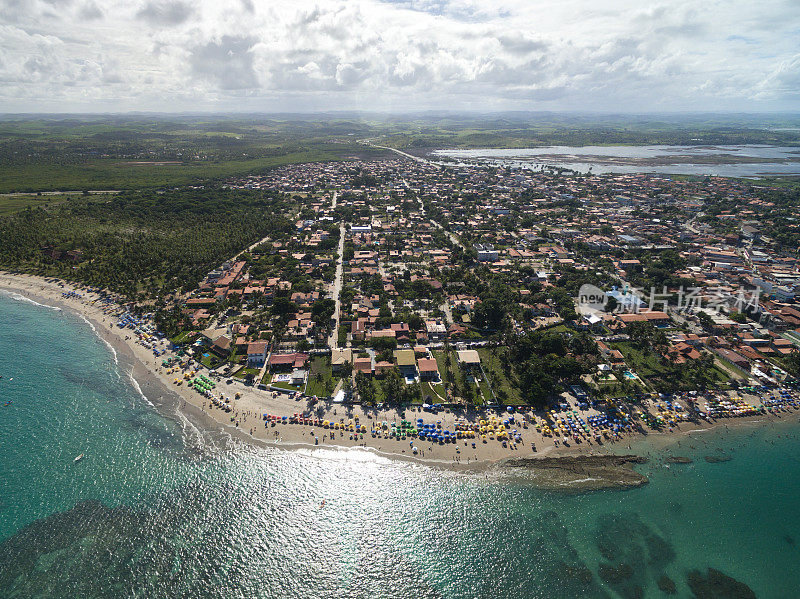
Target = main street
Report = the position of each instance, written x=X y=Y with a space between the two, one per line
x=411 y=156
x=333 y=341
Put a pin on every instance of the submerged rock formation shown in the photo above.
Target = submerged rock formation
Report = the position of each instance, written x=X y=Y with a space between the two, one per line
x=580 y=473
x=717 y=459
x=717 y=585
x=667 y=585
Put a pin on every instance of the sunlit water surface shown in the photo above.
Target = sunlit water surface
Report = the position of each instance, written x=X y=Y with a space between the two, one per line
x=148 y=513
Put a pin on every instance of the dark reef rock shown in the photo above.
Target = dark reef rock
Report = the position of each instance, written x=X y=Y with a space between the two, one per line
x=635 y=553
x=667 y=585
x=717 y=585
x=676 y=459
x=580 y=574
x=634 y=592
x=614 y=574
x=581 y=473
x=624 y=537
x=717 y=459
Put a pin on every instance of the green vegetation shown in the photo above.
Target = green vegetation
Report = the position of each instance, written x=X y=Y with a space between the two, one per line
x=529 y=130
x=11 y=203
x=434 y=391
x=141 y=244
x=117 y=174
x=210 y=361
x=131 y=153
x=182 y=337
x=320 y=380
x=664 y=375
x=506 y=392
x=243 y=372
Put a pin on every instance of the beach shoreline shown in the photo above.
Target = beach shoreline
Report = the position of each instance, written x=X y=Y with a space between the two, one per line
x=244 y=424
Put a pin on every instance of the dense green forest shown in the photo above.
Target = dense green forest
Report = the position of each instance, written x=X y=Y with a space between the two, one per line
x=140 y=242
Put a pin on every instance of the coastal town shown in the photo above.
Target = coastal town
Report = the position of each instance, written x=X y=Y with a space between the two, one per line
x=408 y=299
x=485 y=310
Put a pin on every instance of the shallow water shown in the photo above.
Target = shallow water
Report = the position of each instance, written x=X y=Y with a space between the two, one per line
x=768 y=160
x=145 y=514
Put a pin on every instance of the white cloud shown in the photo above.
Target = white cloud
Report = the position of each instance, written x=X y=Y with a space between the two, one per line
x=397 y=54
x=161 y=13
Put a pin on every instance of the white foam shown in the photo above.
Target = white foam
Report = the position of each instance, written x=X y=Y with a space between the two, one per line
x=21 y=298
x=191 y=434
x=136 y=386
x=99 y=336
x=350 y=454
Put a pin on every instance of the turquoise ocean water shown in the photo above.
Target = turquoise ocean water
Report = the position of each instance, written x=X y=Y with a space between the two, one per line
x=147 y=514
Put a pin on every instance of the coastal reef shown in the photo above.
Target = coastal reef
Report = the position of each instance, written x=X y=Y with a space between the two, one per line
x=580 y=473
x=94 y=550
x=667 y=585
x=717 y=459
x=551 y=554
x=717 y=585
x=636 y=554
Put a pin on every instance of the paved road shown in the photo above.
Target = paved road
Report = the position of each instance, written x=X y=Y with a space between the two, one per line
x=333 y=341
x=689 y=224
x=252 y=246
x=452 y=236
x=448 y=313
x=333 y=200
x=417 y=158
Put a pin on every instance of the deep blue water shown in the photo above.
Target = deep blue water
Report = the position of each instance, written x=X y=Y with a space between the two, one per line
x=145 y=514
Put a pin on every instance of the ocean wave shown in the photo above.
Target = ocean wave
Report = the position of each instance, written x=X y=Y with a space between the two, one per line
x=349 y=454
x=138 y=388
x=21 y=298
x=99 y=336
x=192 y=436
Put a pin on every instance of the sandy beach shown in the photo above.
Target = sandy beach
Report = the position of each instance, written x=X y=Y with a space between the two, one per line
x=245 y=421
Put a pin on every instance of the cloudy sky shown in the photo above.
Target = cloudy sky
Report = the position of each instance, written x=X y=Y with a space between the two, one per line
x=399 y=55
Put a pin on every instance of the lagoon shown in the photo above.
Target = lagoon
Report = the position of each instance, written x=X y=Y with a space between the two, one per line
x=726 y=161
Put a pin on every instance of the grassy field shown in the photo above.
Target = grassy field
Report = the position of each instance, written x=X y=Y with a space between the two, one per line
x=433 y=390
x=243 y=372
x=500 y=382
x=321 y=381
x=15 y=203
x=380 y=396
x=126 y=174
x=181 y=337
x=646 y=365
x=649 y=368
x=485 y=392
x=210 y=361
x=285 y=386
